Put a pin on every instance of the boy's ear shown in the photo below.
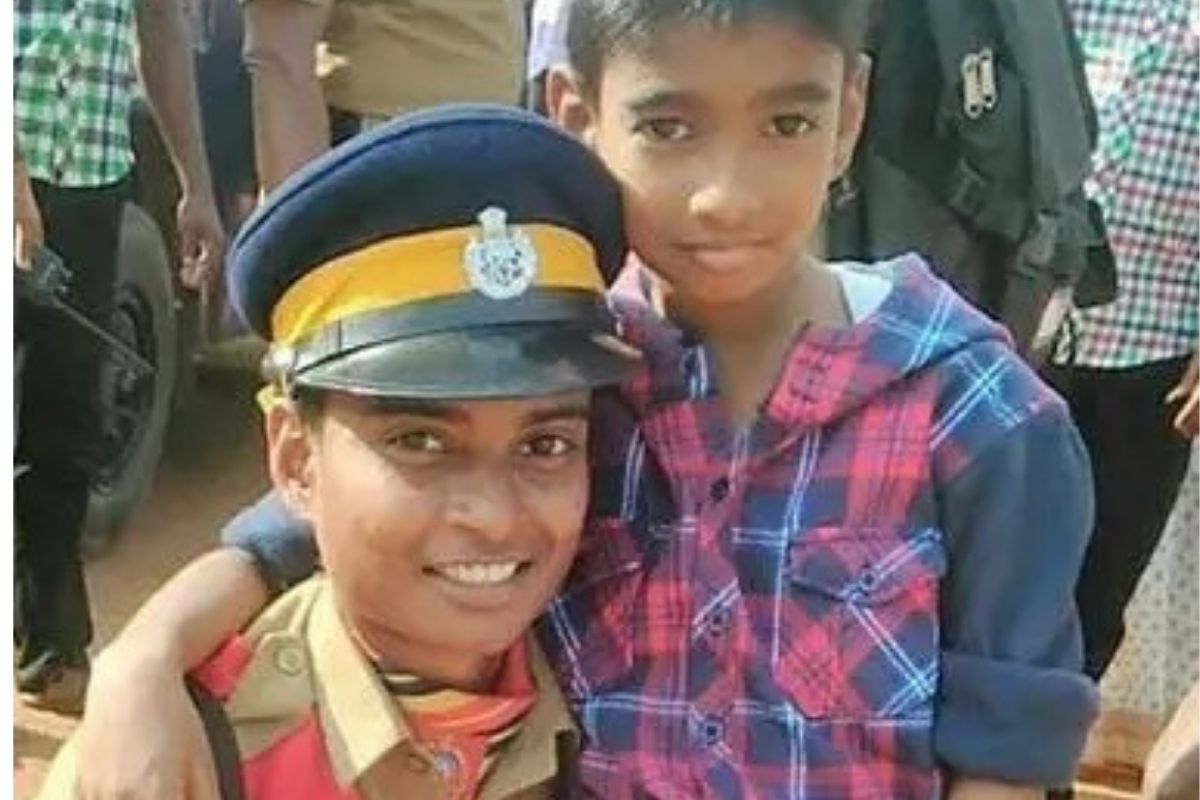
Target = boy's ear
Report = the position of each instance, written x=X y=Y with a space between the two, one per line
x=567 y=105
x=852 y=113
x=290 y=457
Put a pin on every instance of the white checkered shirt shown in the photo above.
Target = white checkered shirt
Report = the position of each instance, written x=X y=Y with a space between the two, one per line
x=1143 y=66
x=74 y=82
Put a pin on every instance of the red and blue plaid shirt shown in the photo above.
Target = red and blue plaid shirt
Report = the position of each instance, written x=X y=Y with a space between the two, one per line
x=755 y=613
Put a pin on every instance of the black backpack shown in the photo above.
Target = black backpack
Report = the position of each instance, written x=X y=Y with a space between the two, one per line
x=977 y=141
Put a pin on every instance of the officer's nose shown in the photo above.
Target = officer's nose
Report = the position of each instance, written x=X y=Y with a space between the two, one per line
x=484 y=502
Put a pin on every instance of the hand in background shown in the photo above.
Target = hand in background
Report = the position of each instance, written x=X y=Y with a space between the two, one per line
x=27 y=219
x=1187 y=392
x=201 y=240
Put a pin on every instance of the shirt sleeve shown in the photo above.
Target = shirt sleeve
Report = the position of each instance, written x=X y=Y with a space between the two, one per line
x=59 y=783
x=1013 y=702
x=282 y=546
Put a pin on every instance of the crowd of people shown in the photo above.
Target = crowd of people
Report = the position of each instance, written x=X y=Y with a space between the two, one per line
x=591 y=476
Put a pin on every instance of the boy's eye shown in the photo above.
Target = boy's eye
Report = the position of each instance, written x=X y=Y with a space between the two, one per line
x=548 y=446
x=664 y=129
x=790 y=125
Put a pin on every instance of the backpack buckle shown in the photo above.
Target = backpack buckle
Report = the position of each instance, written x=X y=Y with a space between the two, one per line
x=980 y=94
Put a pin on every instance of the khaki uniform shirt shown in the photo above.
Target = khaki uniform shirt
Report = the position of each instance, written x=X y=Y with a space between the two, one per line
x=297 y=664
x=383 y=57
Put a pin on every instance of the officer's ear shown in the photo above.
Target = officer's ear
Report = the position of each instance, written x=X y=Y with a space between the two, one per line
x=290 y=457
x=568 y=105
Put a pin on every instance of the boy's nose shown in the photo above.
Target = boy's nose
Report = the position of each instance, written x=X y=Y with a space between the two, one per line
x=727 y=196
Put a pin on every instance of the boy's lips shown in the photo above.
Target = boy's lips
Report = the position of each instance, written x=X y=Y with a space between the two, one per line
x=723 y=256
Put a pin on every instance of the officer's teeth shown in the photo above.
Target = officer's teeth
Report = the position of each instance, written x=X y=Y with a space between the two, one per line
x=480 y=574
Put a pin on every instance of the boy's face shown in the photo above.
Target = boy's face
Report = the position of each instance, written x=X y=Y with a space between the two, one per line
x=725 y=141
x=445 y=527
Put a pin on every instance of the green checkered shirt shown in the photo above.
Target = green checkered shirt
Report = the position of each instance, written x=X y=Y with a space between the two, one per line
x=1143 y=67
x=74 y=82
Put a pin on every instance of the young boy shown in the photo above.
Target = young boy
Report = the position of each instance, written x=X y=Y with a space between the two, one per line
x=433 y=358
x=835 y=523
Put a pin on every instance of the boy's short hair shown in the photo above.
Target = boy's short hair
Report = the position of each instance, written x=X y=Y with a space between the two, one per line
x=596 y=29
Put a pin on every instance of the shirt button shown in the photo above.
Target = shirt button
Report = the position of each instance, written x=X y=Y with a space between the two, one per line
x=712 y=731
x=719 y=490
x=718 y=623
x=446 y=764
x=868 y=581
x=289 y=660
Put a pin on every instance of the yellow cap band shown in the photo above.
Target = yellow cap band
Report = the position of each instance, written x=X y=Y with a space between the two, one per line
x=419 y=267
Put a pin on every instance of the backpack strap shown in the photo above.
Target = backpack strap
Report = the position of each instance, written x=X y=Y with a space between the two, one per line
x=221 y=740
x=974 y=196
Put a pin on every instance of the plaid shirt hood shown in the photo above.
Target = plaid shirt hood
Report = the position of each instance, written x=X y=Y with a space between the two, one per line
x=833 y=373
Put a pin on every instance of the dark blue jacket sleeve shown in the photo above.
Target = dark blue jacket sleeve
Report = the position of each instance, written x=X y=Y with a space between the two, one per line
x=1013 y=703
x=282 y=546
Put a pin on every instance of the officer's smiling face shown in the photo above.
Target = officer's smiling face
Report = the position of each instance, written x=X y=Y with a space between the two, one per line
x=445 y=527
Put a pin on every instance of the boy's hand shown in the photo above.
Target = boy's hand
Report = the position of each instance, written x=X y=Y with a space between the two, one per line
x=141 y=737
x=201 y=239
x=1187 y=391
x=981 y=789
x=27 y=219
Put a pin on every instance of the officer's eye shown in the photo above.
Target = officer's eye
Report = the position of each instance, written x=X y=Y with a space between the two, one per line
x=789 y=126
x=419 y=442
x=664 y=129
x=548 y=445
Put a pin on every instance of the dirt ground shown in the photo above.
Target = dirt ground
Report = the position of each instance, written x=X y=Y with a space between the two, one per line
x=213 y=465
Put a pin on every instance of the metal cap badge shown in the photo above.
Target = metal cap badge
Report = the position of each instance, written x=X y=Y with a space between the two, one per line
x=501 y=262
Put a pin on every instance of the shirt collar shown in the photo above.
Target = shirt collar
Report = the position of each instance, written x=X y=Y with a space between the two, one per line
x=828 y=373
x=533 y=757
x=362 y=722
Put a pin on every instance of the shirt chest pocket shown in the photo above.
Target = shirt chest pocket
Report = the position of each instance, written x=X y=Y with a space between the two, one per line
x=594 y=618
x=858 y=634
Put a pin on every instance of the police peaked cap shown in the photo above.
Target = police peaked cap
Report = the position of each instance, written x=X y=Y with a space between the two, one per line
x=458 y=252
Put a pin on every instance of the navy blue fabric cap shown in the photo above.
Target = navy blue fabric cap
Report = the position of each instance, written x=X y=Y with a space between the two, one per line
x=531 y=199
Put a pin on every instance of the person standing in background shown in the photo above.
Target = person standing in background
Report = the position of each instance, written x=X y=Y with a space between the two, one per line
x=74 y=84
x=375 y=60
x=1128 y=369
